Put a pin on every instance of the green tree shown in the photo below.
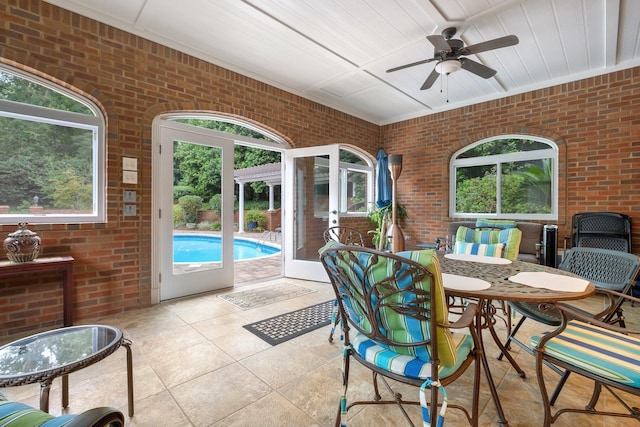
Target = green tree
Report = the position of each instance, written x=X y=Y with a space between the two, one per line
x=71 y=191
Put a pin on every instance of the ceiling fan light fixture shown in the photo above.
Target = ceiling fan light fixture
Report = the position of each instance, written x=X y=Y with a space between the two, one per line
x=448 y=66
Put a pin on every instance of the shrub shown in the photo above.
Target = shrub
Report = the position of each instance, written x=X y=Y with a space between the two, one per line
x=190 y=207
x=182 y=190
x=215 y=204
x=178 y=216
x=216 y=226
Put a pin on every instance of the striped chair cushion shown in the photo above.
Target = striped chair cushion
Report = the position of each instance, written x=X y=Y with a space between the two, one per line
x=495 y=223
x=16 y=414
x=509 y=237
x=401 y=328
x=602 y=352
x=494 y=250
x=409 y=366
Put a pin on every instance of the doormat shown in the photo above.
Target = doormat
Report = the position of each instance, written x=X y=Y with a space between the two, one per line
x=265 y=295
x=279 y=329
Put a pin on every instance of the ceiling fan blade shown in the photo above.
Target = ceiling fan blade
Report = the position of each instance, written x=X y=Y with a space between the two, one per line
x=477 y=68
x=490 y=45
x=430 y=80
x=439 y=43
x=413 y=64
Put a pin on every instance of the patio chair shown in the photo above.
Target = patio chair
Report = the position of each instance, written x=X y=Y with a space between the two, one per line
x=604 y=353
x=606 y=269
x=395 y=323
x=605 y=230
x=17 y=414
x=346 y=236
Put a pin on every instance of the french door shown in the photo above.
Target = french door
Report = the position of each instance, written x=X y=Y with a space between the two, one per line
x=311 y=206
x=185 y=277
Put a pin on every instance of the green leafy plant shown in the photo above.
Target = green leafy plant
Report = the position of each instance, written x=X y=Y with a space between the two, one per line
x=178 y=216
x=190 y=207
x=381 y=217
x=257 y=217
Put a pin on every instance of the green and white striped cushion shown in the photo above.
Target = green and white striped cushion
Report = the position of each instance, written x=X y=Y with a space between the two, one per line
x=509 y=237
x=402 y=328
x=406 y=365
x=606 y=353
x=16 y=414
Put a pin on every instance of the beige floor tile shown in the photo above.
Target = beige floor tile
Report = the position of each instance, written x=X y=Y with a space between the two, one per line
x=212 y=397
x=195 y=365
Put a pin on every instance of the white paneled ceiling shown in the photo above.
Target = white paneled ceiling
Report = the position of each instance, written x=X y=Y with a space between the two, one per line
x=336 y=52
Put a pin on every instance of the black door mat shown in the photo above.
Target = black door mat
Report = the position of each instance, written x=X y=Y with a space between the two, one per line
x=279 y=329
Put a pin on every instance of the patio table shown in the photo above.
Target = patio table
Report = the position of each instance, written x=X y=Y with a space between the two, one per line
x=500 y=288
x=42 y=357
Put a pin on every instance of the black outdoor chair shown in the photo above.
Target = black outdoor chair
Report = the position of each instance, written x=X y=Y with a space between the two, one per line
x=605 y=230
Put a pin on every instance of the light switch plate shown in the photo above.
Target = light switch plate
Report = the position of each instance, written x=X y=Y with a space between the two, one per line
x=130 y=177
x=129 y=196
x=130 y=163
x=129 y=210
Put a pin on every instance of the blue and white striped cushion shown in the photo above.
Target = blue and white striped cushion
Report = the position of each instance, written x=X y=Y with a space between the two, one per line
x=406 y=365
x=606 y=353
x=494 y=250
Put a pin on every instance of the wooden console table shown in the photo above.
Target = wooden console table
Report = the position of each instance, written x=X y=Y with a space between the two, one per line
x=63 y=264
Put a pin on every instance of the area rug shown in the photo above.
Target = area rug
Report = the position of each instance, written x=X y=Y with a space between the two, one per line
x=265 y=295
x=279 y=329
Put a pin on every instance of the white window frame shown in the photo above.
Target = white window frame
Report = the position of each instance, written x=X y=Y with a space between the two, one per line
x=95 y=123
x=345 y=167
x=498 y=160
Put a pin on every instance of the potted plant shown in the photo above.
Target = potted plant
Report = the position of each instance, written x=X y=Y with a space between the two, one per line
x=190 y=206
x=381 y=217
x=255 y=219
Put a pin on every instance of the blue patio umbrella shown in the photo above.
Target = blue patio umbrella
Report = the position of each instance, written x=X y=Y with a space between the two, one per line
x=383 y=180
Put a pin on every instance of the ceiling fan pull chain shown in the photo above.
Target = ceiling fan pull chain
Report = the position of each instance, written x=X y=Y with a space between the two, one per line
x=447 y=88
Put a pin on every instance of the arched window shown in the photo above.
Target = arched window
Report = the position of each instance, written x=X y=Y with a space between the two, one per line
x=52 y=144
x=509 y=176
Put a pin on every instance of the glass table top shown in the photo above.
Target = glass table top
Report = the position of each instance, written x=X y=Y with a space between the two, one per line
x=56 y=349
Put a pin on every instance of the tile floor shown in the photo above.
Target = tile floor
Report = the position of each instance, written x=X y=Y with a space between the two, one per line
x=194 y=365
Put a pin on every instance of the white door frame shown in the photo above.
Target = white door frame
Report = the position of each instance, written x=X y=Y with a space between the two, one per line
x=164 y=282
x=294 y=218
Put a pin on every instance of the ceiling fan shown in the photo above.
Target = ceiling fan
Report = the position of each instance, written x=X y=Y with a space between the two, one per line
x=449 y=54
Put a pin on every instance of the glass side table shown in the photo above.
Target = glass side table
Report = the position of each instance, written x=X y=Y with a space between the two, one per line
x=45 y=356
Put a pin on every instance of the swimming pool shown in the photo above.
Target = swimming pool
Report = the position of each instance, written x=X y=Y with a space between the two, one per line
x=206 y=248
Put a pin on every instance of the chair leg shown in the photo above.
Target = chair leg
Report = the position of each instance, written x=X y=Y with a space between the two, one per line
x=507 y=343
x=335 y=320
x=556 y=392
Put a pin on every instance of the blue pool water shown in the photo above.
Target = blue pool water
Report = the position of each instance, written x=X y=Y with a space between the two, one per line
x=206 y=248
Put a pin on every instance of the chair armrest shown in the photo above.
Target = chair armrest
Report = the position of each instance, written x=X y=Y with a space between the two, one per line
x=466 y=318
x=98 y=417
x=570 y=313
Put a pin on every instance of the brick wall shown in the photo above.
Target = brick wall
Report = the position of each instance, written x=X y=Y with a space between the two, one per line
x=133 y=80
x=594 y=121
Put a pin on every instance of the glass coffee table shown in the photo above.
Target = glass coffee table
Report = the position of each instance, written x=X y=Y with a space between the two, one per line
x=45 y=356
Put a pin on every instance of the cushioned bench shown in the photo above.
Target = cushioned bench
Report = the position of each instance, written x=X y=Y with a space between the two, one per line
x=531 y=235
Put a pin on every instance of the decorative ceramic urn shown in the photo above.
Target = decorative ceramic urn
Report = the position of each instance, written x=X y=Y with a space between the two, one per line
x=22 y=245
